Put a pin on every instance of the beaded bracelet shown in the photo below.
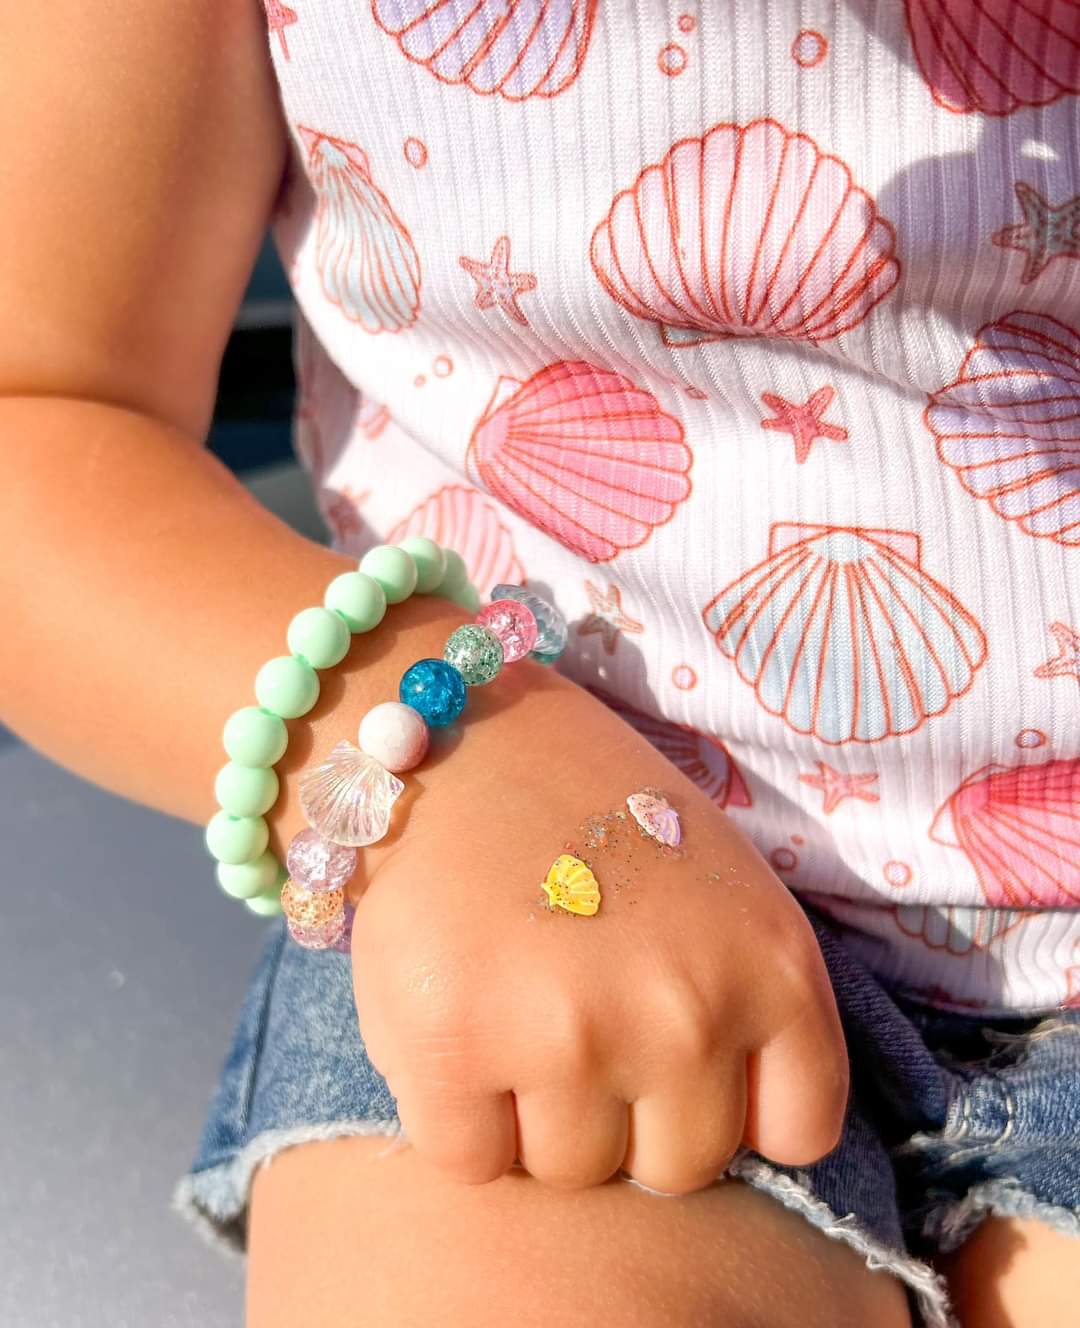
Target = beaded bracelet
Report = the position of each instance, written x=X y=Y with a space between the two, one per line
x=347 y=799
x=255 y=737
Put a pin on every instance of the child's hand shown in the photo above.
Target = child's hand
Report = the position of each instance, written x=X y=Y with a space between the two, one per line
x=690 y=1015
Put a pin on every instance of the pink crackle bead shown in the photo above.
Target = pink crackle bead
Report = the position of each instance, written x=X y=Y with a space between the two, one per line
x=344 y=942
x=318 y=865
x=514 y=624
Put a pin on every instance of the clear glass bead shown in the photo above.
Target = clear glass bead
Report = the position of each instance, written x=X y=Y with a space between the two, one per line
x=476 y=652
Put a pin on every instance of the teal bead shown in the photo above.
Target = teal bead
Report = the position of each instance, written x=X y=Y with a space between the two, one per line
x=430 y=562
x=236 y=839
x=267 y=905
x=255 y=737
x=394 y=570
x=320 y=636
x=287 y=686
x=476 y=652
x=358 y=598
x=248 y=879
x=243 y=790
x=456 y=576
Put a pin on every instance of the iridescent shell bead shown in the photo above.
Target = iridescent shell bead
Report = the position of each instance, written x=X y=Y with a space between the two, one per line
x=514 y=624
x=315 y=864
x=476 y=652
x=435 y=690
x=552 y=631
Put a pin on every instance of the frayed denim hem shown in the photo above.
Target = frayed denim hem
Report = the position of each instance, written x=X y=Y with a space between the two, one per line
x=949 y=1224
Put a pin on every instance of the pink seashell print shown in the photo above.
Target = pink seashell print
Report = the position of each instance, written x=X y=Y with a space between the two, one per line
x=464 y=520
x=703 y=759
x=1020 y=829
x=993 y=56
x=367 y=262
x=656 y=817
x=1009 y=424
x=515 y=48
x=842 y=634
x=749 y=231
x=957 y=930
x=583 y=454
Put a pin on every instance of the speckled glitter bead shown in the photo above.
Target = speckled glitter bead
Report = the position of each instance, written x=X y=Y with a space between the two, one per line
x=394 y=570
x=476 y=652
x=236 y=839
x=287 y=686
x=551 y=628
x=245 y=880
x=514 y=624
x=255 y=737
x=319 y=636
x=244 y=790
x=310 y=908
x=430 y=562
x=265 y=906
x=317 y=865
x=324 y=936
x=395 y=735
x=435 y=690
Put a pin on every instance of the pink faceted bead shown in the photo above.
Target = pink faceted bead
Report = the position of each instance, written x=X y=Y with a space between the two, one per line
x=318 y=865
x=395 y=735
x=514 y=624
x=344 y=943
x=323 y=936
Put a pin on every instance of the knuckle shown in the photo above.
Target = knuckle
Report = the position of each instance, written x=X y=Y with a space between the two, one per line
x=683 y=1022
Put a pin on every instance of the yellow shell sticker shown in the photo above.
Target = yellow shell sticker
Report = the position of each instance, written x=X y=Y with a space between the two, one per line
x=571 y=885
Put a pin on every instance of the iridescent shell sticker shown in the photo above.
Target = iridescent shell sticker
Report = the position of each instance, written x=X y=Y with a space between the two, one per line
x=368 y=264
x=572 y=886
x=465 y=520
x=583 y=454
x=1009 y=424
x=1020 y=830
x=657 y=818
x=749 y=231
x=987 y=57
x=842 y=634
x=515 y=48
x=349 y=796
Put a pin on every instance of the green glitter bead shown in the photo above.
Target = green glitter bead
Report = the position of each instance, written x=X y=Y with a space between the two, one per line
x=266 y=906
x=255 y=737
x=320 y=636
x=287 y=686
x=236 y=839
x=248 y=879
x=358 y=598
x=394 y=570
x=430 y=562
x=244 y=790
x=476 y=652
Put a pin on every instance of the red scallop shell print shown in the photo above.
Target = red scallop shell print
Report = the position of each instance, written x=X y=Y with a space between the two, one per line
x=1020 y=830
x=515 y=48
x=748 y=231
x=705 y=760
x=1009 y=424
x=583 y=454
x=842 y=634
x=367 y=262
x=993 y=56
x=464 y=520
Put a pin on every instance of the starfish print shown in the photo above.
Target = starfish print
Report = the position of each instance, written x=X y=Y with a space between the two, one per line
x=278 y=18
x=1046 y=232
x=837 y=787
x=496 y=284
x=804 y=423
x=1066 y=663
x=607 y=616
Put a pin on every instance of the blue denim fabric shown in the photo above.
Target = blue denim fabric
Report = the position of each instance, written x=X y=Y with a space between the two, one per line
x=950 y=1118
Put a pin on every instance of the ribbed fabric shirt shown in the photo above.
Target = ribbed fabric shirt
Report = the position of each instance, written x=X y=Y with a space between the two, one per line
x=749 y=331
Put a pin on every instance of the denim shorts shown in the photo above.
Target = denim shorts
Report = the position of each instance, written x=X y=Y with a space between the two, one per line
x=951 y=1117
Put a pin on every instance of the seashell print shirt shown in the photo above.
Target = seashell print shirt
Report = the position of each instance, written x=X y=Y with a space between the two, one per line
x=750 y=330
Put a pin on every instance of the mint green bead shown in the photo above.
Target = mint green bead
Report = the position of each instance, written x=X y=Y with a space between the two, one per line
x=287 y=686
x=248 y=879
x=467 y=598
x=243 y=790
x=267 y=905
x=236 y=839
x=319 y=636
x=358 y=598
x=430 y=562
x=256 y=737
x=394 y=570
x=456 y=576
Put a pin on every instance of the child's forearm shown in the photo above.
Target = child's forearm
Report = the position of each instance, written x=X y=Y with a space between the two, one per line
x=142 y=587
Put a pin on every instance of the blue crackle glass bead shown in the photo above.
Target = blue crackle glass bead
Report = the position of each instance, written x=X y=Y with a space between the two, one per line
x=435 y=689
x=553 y=632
